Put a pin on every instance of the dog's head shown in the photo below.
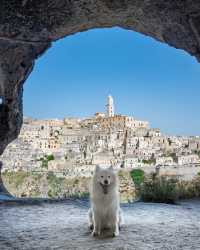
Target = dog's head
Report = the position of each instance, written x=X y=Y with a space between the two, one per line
x=105 y=177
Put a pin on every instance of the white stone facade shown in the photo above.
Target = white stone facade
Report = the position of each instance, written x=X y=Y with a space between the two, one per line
x=188 y=159
x=167 y=161
x=81 y=144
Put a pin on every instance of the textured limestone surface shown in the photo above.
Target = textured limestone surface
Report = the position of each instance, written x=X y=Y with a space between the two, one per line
x=64 y=226
x=28 y=27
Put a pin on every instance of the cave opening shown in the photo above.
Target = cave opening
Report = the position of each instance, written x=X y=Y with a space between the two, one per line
x=80 y=71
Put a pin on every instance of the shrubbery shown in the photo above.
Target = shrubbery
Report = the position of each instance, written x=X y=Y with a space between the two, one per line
x=55 y=185
x=45 y=160
x=150 y=161
x=16 y=178
x=163 y=189
x=159 y=189
x=189 y=189
x=50 y=157
x=137 y=176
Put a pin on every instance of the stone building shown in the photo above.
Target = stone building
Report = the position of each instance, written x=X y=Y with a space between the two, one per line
x=72 y=123
x=130 y=162
x=154 y=132
x=194 y=143
x=112 y=121
x=188 y=159
x=121 y=122
x=164 y=161
x=103 y=139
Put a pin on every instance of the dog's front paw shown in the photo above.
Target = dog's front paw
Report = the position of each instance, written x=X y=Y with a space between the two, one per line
x=116 y=233
x=94 y=233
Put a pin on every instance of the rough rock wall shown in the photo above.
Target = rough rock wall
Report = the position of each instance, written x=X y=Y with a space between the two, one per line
x=16 y=63
x=27 y=28
x=3 y=190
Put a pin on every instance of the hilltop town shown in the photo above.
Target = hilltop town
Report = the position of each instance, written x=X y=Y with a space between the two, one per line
x=73 y=146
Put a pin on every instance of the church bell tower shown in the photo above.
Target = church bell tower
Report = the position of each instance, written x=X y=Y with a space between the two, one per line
x=110 y=106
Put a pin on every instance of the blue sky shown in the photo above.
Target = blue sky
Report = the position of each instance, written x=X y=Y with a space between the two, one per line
x=148 y=80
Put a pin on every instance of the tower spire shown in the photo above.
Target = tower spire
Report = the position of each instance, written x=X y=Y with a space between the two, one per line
x=110 y=106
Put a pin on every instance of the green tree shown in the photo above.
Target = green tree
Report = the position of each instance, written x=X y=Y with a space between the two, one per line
x=137 y=176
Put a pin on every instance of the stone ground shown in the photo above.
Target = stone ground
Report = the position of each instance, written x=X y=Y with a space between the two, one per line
x=64 y=226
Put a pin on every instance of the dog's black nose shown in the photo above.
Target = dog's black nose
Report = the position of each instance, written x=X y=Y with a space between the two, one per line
x=106 y=182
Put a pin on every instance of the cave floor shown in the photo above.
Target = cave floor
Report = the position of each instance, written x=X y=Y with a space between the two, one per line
x=64 y=226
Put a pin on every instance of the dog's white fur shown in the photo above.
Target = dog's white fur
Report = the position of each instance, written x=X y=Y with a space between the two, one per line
x=105 y=210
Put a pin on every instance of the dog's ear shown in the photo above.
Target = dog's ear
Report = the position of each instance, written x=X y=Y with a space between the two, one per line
x=97 y=168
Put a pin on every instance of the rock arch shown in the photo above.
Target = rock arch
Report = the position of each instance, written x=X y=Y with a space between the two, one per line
x=28 y=28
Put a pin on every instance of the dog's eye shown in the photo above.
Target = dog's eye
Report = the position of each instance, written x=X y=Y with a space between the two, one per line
x=109 y=176
x=102 y=176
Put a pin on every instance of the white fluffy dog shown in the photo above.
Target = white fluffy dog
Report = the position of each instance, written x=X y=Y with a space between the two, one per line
x=105 y=210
